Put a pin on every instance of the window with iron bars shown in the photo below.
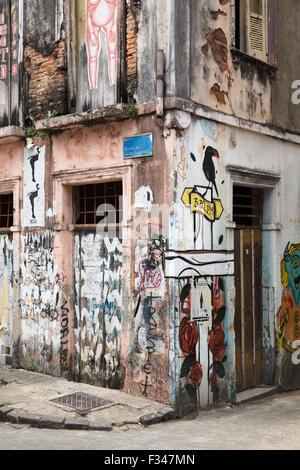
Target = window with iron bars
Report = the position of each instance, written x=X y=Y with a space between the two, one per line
x=6 y=211
x=98 y=206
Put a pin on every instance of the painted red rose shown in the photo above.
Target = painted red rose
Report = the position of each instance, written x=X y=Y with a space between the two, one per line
x=196 y=374
x=188 y=336
x=217 y=343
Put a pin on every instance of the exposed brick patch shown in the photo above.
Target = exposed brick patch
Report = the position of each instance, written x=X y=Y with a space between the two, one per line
x=224 y=2
x=218 y=93
x=46 y=81
x=131 y=48
x=217 y=42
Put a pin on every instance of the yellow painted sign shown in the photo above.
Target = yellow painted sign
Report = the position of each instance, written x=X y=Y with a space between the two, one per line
x=211 y=209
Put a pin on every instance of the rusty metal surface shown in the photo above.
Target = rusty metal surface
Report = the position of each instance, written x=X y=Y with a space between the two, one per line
x=82 y=402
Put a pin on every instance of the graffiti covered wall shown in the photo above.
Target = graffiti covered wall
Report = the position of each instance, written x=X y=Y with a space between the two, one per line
x=40 y=285
x=6 y=296
x=98 y=310
x=150 y=343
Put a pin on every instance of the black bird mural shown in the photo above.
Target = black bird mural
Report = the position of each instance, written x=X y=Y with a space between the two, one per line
x=209 y=167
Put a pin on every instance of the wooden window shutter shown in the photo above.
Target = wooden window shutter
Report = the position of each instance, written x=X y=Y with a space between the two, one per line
x=256 y=28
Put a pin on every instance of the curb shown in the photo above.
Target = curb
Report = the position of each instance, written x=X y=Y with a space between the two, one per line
x=13 y=415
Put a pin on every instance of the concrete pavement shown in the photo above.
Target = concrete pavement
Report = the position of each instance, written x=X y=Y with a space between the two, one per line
x=271 y=423
x=27 y=398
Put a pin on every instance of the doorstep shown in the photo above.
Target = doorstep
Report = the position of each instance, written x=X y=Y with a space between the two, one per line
x=255 y=393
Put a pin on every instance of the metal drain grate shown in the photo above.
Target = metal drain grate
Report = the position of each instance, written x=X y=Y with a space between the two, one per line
x=81 y=402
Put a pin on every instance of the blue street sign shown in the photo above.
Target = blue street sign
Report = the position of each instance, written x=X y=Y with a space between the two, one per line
x=138 y=146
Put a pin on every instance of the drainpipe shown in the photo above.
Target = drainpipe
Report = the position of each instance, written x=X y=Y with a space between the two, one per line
x=159 y=83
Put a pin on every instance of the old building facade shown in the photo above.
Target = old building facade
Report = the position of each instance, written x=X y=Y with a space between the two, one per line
x=149 y=196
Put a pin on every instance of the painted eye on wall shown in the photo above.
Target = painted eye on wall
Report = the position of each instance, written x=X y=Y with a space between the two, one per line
x=295 y=262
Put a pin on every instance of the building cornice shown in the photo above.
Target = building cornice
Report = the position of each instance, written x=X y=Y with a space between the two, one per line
x=121 y=112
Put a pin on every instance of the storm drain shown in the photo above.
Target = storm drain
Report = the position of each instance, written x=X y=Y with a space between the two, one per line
x=81 y=402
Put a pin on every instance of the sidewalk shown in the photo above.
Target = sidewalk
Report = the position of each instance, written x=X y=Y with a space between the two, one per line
x=27 y=398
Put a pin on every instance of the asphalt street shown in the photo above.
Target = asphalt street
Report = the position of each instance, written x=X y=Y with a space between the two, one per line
x=271 y=423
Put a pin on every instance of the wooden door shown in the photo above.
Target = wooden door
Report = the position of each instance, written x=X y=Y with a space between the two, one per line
x=248 y=308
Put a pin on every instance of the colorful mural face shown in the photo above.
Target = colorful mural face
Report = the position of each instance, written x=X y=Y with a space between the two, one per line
x=102 y=15
x=288 y=316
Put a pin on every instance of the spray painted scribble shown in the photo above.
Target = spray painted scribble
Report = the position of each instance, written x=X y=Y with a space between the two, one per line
x=102 y=15
x=98 y=301
x=149 y=338
x=6 y=295
x=40 y=285
x=33 y=190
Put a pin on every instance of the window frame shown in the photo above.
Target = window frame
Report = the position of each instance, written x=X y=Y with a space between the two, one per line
x=241 y=31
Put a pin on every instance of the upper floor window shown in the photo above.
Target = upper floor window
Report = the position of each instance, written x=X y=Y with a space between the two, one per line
x=255 y=28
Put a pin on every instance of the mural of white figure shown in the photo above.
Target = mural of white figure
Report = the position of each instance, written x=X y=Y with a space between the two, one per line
x=102 y=15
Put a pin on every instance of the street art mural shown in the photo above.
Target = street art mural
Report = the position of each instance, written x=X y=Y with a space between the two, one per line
x=191 y=373
x=288 y=317
x=98 y=304
x=33 y=189
x=200 y=266
x=102 y=15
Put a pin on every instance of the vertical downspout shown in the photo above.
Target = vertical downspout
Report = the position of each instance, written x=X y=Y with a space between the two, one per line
x=159 y=83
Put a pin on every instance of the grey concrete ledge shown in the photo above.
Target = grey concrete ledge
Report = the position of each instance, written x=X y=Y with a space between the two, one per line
x=14 y=415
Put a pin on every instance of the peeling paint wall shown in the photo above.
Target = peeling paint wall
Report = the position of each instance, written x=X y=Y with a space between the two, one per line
x=6 y=298
x=230 y=85
x=39 y=303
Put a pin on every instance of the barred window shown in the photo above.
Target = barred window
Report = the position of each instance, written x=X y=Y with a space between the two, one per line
x=6 y=210
x=98 y=204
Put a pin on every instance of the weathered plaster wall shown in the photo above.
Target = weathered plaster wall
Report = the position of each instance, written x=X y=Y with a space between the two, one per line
x=241 y=89
x=108 y=311
x=285 y=113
